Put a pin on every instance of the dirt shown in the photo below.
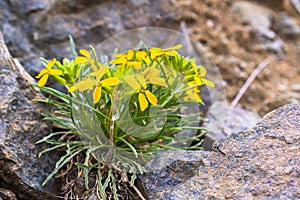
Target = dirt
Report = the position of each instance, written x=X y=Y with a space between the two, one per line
x=236 y=49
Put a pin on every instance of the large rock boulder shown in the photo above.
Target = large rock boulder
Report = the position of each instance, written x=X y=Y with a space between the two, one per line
x=260 y=163
x=21 y=125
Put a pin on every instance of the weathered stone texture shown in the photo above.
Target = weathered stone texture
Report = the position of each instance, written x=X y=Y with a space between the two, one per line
x=21 y=125
x=261 y=163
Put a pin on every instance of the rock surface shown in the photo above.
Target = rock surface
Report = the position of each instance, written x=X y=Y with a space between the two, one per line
x=261 y=163
x=224 y=119
x=21 y=125
x=40 y=28
x=288 y=26
x=259 y=17
x=7 y=194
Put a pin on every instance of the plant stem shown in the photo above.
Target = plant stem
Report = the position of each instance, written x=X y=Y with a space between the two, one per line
x=111 y=143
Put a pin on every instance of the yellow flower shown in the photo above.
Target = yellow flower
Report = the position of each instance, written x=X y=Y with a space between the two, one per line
x=86 y=59
x=199 y=76
x=152 y=76
x=133 y=58
x=156 y=52
x=48 y=71
x=142 y=91
x=89 y=83
x=193 y=94
x=139 y=84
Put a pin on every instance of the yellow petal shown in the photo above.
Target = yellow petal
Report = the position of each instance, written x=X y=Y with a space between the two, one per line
x=141 y=55
x=156 y=54
x=97 y=94
x=134 y=63
x=178 y=46
x=71 y=89
x=197 y=97
x=50 y=64
x=198 y=80
x=151 y=97
x=85 y=53
x=141 y=79
x=132 y=82
x=42 y=72
x=147 y=59
x=130 y=54
x=87 y=84
x=100 y=73
x=147 y=72
x=158 y=82
x=95 y=68
x=171 y=53
x=202 y=71
x=151 y=72
x=80 y=60
x=55 y=72
x=43 y=80
x=208 y=82
x=120 y=60
x=143 y=102
x=110 y=81
x=189 y=95
x=155 y=50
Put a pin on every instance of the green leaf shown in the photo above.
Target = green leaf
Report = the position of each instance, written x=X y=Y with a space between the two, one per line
x=72 y=44
x=49 y=136
x=51 y=149
x=129 y=145
x=62 y=161
x=101 y=188
x=132 y=179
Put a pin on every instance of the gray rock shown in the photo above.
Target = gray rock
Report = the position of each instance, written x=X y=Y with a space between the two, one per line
x=28 y=6
x=261 y=163
x=224 y=119
x=273 y=45
x=7 y=194
x=16 y=38
x=21 y=125
x=287 y=26
x=259 y=17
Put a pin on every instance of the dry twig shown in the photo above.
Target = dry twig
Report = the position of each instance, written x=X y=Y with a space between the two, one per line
x=251 y=78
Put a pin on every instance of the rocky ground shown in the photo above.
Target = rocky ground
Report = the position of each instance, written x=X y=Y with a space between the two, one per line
x=261 y=163
x=239 y=35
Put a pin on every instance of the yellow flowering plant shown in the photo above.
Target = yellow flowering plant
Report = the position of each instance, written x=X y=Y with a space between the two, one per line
x=125 y=110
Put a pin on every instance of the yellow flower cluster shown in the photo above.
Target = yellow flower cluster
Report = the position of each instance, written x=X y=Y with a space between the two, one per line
x=49 y=71
x=145 y=71
x=139 y=84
